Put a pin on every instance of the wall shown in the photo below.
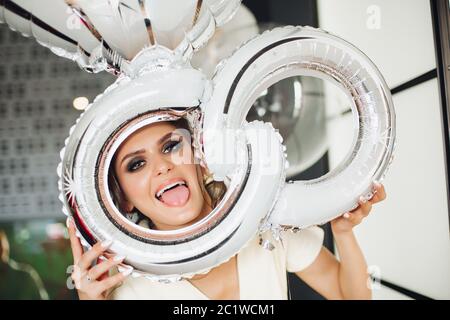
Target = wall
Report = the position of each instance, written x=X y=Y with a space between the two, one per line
x=406 y=238
x=36 y=93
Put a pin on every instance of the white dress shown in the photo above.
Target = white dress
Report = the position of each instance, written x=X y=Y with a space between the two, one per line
x=261 y=272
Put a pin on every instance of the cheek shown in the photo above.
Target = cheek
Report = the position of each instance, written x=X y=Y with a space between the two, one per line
x=135 y=185
x=190 y=172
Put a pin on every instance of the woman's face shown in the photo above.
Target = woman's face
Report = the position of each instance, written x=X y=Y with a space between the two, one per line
x=157 y=174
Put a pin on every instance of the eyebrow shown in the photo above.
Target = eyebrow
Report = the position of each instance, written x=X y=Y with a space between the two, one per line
x=160 y=141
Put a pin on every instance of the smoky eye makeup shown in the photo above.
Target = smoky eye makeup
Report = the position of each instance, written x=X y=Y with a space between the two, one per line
x=135 y=164
x=172 y=144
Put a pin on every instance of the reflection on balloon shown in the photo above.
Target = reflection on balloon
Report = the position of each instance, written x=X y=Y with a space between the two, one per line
x=296 y=107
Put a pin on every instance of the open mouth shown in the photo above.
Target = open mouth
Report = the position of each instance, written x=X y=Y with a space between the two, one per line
x=174 y=194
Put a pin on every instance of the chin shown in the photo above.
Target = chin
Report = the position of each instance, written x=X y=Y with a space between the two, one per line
x=183 y=217
x=178 y=217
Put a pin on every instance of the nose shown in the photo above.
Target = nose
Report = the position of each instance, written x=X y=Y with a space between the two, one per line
x=162 y=165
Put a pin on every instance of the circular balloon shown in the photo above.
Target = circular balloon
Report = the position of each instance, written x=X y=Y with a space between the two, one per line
x=86 y=158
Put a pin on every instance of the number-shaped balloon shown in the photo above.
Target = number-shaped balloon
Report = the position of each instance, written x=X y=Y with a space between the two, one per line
x=157 y=83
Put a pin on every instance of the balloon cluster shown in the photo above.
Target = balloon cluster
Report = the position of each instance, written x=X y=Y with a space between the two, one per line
x=149 y=46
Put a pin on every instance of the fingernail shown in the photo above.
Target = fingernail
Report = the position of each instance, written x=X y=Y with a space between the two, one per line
x=127 y=272
x=68 y=222
x=362 y=199
x=106 y=243
x=376 y=184
x=346 y=215
x=119 y=257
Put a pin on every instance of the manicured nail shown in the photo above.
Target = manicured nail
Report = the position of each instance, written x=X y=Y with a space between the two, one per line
x=106 y=243
x=346 y=215
x=127 y=272
x=362 y=199
x=69 y=222
x=119 y=258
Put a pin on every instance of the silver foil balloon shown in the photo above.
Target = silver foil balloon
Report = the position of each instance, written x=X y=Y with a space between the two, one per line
x=225 y=41
x=292 y=51
x=96 y=34
x=249 y=157
x=157 y=83
x=295 y=106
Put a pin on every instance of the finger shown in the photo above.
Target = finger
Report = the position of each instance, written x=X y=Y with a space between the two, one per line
x=84 y=284
x=79 y=279
x=75 y=244
x=358 y=209
x=365 y=207
x=355 y=217
x=110 y=282
x=380 y=193
x=104 y=266
x=92 y=254
x=101 y=259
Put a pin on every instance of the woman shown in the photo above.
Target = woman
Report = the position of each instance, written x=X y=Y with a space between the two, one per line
x=154 y=177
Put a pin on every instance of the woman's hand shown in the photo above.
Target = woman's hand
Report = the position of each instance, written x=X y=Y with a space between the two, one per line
x=93 y=283
x=348 y=220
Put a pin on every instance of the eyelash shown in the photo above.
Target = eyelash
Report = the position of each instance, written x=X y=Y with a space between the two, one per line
x=172 y=145
x=131 y=166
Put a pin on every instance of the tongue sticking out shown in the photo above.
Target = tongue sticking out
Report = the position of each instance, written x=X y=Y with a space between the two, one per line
x=176 y=197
